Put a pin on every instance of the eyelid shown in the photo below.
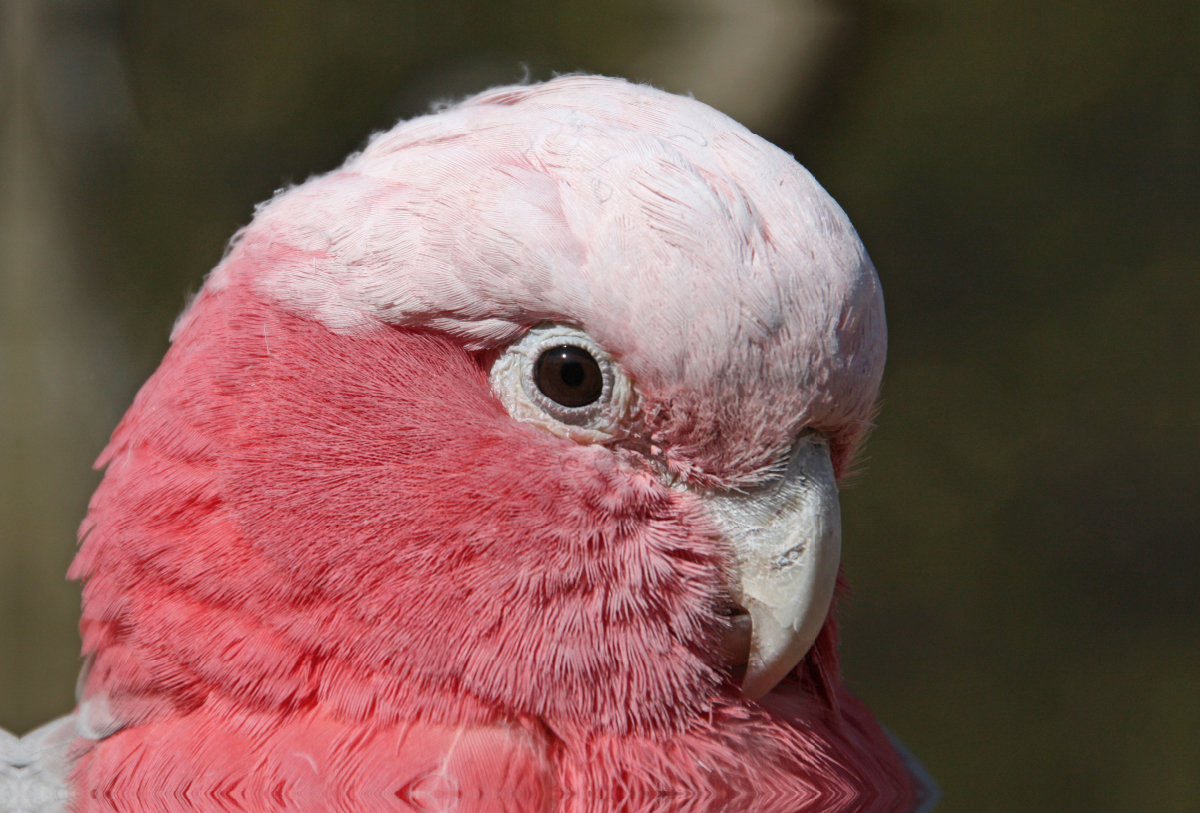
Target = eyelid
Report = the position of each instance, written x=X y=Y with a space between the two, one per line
x=512 y=380
x=577 y=416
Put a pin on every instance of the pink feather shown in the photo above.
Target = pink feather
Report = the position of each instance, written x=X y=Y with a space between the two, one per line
x=327 y=571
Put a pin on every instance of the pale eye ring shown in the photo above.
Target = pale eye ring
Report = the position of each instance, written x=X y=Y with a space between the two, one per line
x=565 y=374
x=559 y=378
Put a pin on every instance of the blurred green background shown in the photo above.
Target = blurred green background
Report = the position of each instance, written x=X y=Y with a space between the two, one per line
x=1025 y=541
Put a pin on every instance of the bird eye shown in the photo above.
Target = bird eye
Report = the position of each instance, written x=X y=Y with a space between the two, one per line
x=569 y=376
x=559 y=378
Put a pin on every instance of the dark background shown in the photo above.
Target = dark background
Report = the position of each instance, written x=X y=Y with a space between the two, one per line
x=1023 y=544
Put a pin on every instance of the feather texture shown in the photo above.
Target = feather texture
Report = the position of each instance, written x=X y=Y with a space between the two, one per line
x=326 y=570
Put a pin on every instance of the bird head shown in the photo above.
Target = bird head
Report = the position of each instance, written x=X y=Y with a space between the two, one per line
x=534 y=407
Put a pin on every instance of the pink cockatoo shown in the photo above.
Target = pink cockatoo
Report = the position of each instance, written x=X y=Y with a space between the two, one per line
x=493 y=471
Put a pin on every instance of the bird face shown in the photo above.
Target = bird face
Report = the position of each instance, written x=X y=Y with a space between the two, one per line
x=535 y=407
x=781 y=538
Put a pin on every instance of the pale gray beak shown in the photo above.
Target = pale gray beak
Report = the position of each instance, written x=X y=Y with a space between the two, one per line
x=786 y=541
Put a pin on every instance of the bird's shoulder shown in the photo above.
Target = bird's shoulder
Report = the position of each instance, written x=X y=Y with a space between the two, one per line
x=314 y=761
x=34 y=768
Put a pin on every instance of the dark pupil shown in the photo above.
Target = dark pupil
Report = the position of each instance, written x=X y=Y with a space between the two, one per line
x=569 y=376
x=572 y=373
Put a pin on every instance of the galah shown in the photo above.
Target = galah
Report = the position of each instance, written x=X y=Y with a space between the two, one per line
x=493 y=471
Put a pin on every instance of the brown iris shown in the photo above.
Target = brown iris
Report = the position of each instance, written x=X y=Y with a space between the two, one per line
x=569 y=376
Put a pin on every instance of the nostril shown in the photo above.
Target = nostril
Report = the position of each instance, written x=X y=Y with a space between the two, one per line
x=789 y=557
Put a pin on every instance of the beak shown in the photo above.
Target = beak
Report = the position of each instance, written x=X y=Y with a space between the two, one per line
x=786 y=544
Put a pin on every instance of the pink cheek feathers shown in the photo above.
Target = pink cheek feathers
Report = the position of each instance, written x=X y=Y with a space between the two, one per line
x=310 y=505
